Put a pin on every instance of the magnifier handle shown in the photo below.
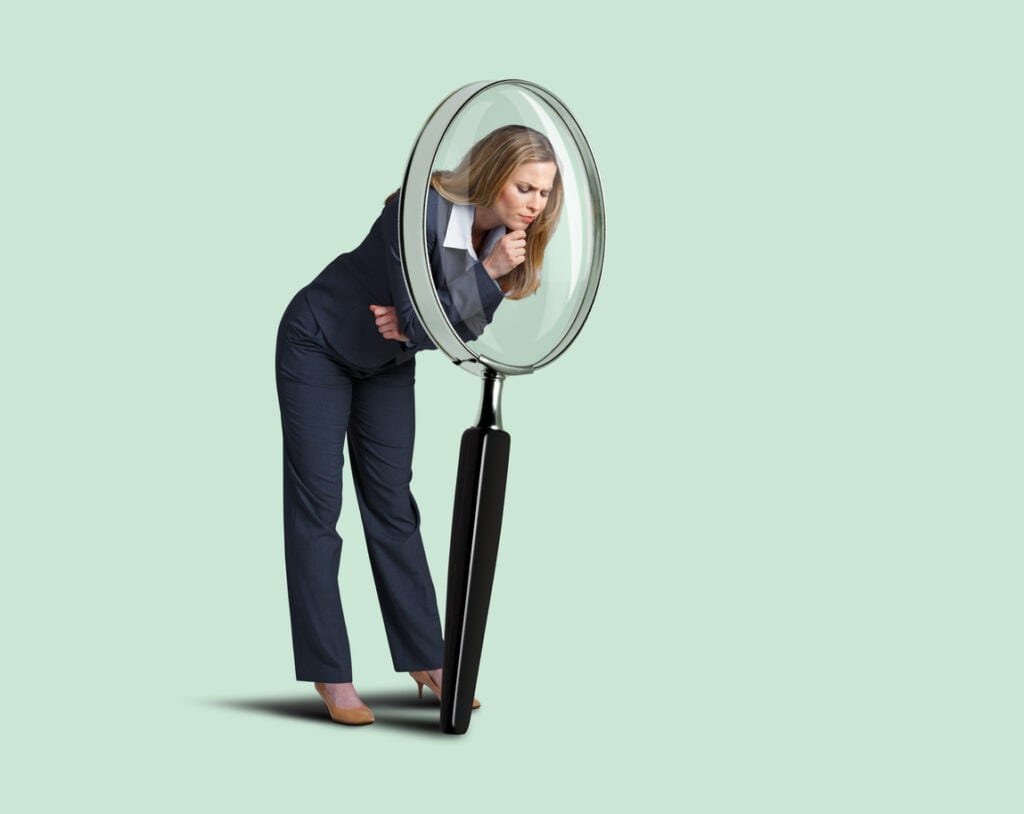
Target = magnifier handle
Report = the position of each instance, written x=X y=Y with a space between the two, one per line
x=476 y=527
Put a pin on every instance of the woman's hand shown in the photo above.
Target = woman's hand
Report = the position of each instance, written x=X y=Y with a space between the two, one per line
x=387 y=322
x=507 y=253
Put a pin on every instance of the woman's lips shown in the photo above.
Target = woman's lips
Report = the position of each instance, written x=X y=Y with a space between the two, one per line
x=527 y=218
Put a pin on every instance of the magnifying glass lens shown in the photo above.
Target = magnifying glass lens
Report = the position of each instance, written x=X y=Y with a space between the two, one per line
x=512 y=228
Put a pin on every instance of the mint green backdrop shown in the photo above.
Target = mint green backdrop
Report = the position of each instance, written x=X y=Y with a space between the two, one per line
x=761 y=548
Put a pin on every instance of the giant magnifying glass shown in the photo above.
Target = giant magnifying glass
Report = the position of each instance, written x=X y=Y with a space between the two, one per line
x=502 y=242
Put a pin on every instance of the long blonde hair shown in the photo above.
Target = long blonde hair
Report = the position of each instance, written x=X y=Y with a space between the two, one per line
x=479 y=178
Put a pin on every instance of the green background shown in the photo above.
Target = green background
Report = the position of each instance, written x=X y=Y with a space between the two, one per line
x=761 y=548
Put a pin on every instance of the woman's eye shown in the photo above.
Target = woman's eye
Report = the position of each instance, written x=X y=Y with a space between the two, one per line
x=524 y=189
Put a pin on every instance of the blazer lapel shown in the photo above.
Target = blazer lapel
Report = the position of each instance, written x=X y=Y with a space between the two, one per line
x=454 y=261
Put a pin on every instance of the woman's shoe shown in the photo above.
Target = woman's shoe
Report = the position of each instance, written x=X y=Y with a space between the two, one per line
x=423 y=677
x=353 y=716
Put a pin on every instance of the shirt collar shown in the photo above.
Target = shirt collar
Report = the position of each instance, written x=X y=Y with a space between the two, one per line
x=460 y=232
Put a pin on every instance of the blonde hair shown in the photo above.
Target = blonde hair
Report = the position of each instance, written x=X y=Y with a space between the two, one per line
x=479 y=178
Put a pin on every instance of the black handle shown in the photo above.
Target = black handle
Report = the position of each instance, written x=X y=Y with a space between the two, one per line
x=476 y=527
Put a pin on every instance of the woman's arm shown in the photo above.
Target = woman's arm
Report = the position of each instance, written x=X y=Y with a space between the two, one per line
x=469 y=296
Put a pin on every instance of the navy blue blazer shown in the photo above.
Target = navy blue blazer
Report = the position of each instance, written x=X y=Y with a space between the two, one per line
x=341 y=294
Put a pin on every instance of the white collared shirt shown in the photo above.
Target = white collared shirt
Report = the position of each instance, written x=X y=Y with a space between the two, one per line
x=459 y=234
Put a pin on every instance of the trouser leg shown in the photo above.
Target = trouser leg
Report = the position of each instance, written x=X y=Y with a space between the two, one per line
x=315 y=397
x=380 y=436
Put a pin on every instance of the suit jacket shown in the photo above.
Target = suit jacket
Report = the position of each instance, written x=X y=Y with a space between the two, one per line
x=341 y=294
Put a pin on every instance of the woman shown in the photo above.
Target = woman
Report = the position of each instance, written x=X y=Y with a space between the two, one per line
x=345 y=364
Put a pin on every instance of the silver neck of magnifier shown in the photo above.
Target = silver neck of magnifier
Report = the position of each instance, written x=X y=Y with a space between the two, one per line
x=490 y=401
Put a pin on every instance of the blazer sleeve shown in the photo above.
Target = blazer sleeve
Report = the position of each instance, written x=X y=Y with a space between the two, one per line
x=469 y=297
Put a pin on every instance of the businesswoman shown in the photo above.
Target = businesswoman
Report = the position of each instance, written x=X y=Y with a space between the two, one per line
x=345 y=367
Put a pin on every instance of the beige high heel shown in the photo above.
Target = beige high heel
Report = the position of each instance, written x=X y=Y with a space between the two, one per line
x=352 y=716
x=423 y=677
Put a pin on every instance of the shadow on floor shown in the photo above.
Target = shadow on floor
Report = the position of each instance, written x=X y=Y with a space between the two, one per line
x=392 y=710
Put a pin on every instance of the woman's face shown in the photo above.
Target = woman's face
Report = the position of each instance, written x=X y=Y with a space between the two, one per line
x=525 y=194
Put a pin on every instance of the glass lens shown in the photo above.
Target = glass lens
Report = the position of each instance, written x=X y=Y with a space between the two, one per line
x=512 y=224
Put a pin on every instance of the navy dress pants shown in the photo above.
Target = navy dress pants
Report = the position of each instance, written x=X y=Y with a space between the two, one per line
x=323 y=400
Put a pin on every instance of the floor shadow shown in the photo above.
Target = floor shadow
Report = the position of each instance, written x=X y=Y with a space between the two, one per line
x=397 y=699
x=392 y=710
x=310 y=709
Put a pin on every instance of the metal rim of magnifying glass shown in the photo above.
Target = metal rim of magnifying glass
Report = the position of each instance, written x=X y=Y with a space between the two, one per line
x=412 y=206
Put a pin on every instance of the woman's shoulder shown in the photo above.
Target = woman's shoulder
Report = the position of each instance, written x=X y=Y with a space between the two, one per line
x=434 y=200
x=437 y=211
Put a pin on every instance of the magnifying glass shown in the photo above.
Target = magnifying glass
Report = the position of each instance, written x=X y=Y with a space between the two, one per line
x=502 y=242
